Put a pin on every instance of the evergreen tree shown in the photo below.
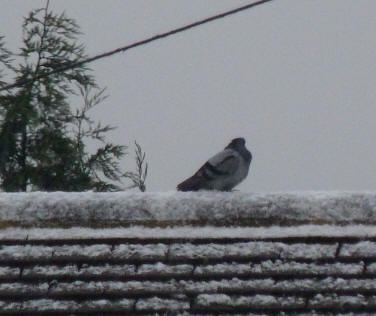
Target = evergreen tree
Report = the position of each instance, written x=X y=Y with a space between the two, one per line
x=41 y=136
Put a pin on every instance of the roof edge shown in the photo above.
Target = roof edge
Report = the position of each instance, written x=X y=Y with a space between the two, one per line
x=165 y=209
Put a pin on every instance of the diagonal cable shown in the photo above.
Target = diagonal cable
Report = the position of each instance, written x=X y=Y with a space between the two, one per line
x=68 y=66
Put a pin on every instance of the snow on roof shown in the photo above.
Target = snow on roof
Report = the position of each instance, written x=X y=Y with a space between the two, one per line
x=188 y=232
x=123 y=209
x=188 y=253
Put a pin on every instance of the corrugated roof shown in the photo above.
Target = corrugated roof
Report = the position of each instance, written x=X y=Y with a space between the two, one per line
x=330 y=270
x=334 y=274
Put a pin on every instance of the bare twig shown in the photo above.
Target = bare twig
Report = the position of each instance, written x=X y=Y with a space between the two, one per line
x=139 y=178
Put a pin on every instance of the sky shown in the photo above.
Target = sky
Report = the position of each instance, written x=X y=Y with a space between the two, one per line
x=295 y=78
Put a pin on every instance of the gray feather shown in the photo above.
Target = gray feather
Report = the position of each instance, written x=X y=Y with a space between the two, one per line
x=223 y=171
x=225 y=161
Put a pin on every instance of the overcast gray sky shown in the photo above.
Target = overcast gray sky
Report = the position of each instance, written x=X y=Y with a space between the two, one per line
x=296 y=78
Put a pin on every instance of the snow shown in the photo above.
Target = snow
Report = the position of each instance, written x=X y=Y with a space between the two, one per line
x=175 y=251
x=44 y=305
x=214 y=301
x=22 y=289
x=84 y=252
x=328 y=284
x=9 y=272
x=140 y=252
x=265 y=269
x=366 y=249
x=188 y=232
x=307 y=251
x=10 y=306
x=50 y=270
x=158 y=304
x=89 y=209
x=279 y=267
x=192 y=215
x=173 y=287
x=251 y=250
x=72 y=270
x=205 y=300
x=371 y=268
x=49 y=305
x=164 y=269
x=223 y=269
x=76 y=288
x=135 y=287
x=234 y=284
x=107 y=270
x=334 y=301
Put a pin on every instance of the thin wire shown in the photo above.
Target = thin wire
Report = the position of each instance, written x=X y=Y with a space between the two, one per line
x=136 y=44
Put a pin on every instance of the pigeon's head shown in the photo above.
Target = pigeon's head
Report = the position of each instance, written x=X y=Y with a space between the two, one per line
x=237 y=143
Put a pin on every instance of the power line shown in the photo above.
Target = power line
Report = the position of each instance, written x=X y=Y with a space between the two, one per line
x=135 y=44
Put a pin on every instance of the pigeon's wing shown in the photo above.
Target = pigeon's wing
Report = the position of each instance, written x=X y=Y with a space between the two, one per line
x=225 y=162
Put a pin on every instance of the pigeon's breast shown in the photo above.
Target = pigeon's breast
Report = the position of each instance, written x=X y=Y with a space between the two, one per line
x=241 y=173
x=229 y=181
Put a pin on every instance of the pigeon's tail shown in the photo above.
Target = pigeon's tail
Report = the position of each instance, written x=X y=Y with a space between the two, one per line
x=193 y=183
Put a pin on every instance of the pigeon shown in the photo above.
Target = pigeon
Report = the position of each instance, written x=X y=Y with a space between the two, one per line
x=223 y=171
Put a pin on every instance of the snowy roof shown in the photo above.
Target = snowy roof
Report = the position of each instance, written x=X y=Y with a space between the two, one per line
x=124 y=209
x=184 y=276
x=53 y=259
